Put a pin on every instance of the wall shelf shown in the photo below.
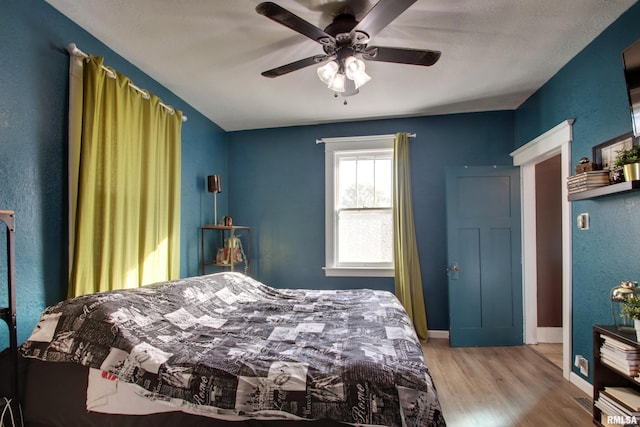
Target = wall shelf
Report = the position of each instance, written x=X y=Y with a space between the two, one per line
x=225 y=231
x=620 y=187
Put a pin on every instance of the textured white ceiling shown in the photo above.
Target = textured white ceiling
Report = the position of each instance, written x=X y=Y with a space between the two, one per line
x=495 y=53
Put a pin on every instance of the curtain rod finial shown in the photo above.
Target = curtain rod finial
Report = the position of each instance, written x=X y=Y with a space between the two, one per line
x=75 y=51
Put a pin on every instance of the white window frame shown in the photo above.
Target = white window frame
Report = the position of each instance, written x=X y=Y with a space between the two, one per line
x=333 y=145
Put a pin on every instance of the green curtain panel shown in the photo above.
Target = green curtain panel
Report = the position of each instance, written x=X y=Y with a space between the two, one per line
x=126 y=229
x=408 y=277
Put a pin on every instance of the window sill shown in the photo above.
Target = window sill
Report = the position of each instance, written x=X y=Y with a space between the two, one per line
x=358 y=272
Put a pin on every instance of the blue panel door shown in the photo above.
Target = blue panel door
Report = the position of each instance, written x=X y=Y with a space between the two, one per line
x=484 y=255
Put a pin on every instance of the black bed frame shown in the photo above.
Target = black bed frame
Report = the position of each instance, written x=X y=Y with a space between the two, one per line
x=8 y=314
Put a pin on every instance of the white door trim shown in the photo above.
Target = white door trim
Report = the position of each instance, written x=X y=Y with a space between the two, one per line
x=553 y=142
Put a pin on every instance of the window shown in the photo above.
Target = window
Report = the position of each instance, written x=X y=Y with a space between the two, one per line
x=359 y=201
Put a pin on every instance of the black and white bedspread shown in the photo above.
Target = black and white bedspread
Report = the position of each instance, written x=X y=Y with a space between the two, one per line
x=239 y=348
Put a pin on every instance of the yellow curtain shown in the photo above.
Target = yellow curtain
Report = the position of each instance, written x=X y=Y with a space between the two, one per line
x=408 y=277
x=126 y=227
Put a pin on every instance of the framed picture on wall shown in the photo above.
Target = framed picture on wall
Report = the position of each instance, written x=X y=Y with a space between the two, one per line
x=605 y=154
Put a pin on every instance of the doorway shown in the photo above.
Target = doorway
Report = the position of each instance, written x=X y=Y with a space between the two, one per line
x=554 y=142
x=549 y=184
x=549 y=252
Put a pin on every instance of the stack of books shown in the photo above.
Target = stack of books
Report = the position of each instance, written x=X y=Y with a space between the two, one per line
x=620 y=356
x=619 y=406
x=587 y=180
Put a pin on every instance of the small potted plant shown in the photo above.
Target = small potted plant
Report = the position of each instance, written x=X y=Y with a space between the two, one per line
x=629 y=160
x=631 y=310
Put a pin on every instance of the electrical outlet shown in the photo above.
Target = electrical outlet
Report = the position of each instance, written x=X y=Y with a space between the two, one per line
x=582 y=363
x=584 y=367
x=583 y=221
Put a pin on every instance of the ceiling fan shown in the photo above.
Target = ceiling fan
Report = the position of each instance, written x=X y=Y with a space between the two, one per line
x=345 y=44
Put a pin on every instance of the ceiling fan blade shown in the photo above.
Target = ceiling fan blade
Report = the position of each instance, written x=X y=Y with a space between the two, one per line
x=296 y=65
x=380 y=16
x=294 y=22
x=401 y=55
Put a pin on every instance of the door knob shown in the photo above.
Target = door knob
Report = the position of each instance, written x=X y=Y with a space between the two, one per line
x=452 y=271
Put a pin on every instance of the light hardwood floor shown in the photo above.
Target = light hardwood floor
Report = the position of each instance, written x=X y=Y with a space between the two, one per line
x=553 y=352
x=502 y=387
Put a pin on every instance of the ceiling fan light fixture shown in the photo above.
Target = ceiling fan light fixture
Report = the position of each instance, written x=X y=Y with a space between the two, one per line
x=361 y=79
x=327 y=72
x=354 y=69
x=353 y=65
x=338 y=83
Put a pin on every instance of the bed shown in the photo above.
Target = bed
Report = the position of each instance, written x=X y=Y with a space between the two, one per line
x=227 y=350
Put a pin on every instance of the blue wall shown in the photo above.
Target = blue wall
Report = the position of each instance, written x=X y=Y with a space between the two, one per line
x=276 y=181
x=591 y=89
x=33 y=155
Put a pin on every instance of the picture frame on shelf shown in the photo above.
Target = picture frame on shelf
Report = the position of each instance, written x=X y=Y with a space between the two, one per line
x=605 y=153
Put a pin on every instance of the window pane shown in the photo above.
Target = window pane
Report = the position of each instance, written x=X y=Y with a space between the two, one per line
x=365 y=236
x=384 y=182
x=347 y=196
x=364 y=181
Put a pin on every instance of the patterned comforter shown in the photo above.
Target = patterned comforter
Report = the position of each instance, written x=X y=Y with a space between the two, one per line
x=235 y=346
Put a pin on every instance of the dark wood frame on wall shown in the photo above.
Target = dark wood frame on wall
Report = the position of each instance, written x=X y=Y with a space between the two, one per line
x=609 y=148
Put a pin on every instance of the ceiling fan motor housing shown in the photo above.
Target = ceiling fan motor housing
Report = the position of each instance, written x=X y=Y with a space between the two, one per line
x=342 y=23
x=340 y=29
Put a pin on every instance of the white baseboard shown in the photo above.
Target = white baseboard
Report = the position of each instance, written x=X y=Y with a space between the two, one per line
x=581 y=383
x=550 y=335
x=438 y=334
